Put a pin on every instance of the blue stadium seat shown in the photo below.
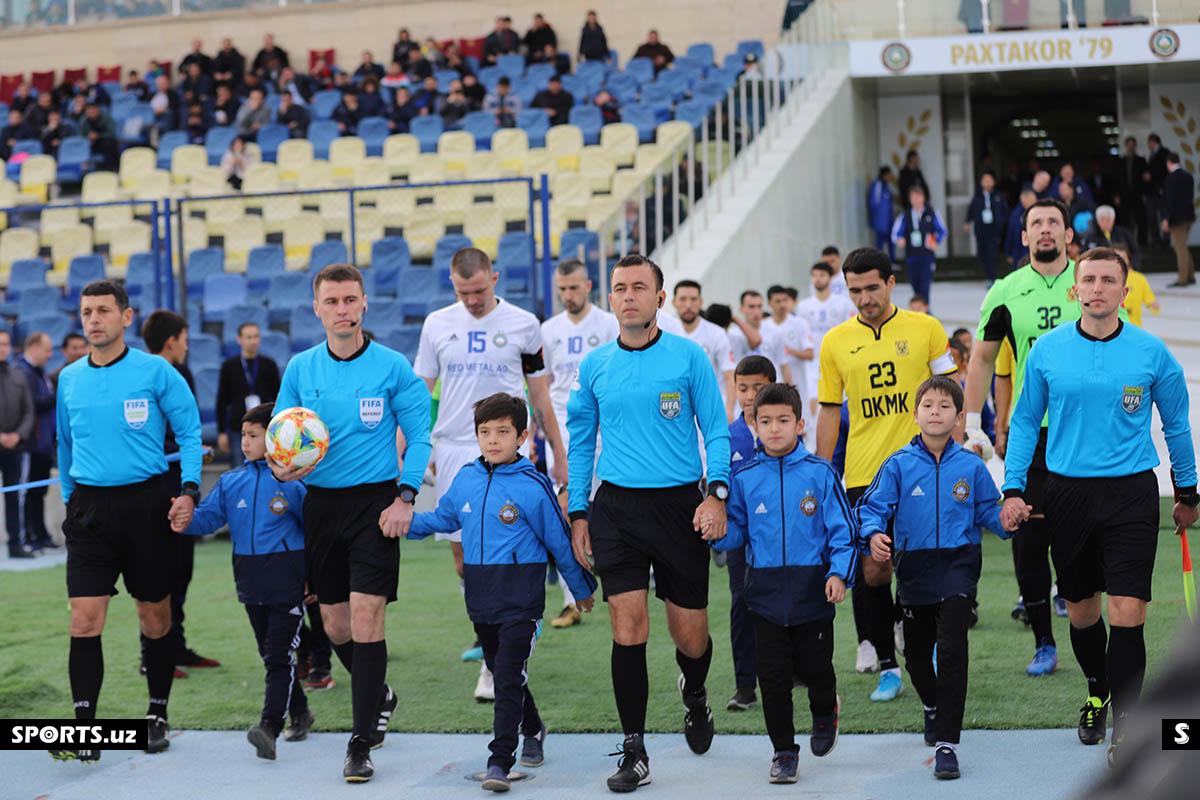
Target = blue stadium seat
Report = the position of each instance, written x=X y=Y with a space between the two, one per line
x=676 y=81
x=167 y=145
x=321 y=132
x=304 y=328
x=135 y=343
x=733 y=61
x=274 y=345
x=74 y=159
x=748 y=46
x=56 y=326
x=389 y=258
x=26 y=273
x=512 y=65
x=659 y=97
x=201 y=263
x=642 y=69
x=32 y=147
x=710 y=90
x=82 y=271
x=622 y=86
x=704 y=53
x=417 y=285
x=694 y=112
x=642 y=117
x=324 y=102
x=577 y=86
x=382 y=313
x=206 y=380
x=404 y=338
x=216 y=142
x=515 y=250
x=38 y=301
x=204 y=350
x=263 y=262
x=489 y=76
x=592 y=73
x=445 y=249
x=270 y=136
x=139 y=277
x=136 y=134
x=373 y=131
x=535 y=123
x=427 y=129
x=516 y=281
x=525 y=90
x=692 y=67
x=589 y=120
x=585 y=245
x=122 y=106
x=222 y=292
x=540 y=74
x=330 y=251
x=287 y=291
x=444 y=78
x=727 y=77
x=234 y=317
x=481 y=125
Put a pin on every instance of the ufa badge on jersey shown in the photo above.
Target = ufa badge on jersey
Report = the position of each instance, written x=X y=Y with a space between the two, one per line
x=670 y=404
x=1132 y=400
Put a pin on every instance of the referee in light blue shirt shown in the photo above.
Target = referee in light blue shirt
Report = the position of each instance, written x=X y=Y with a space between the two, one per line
x=1097 y=379
x=112 y=413
x=648 y=391
x=357 y=505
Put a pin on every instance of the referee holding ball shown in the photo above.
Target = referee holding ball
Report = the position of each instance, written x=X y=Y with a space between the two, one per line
x=1099 y=377
x=113 y=410
x=648 y=391
x=356 y=509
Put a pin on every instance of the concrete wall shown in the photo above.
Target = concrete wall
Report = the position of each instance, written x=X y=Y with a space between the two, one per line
x=372 y=24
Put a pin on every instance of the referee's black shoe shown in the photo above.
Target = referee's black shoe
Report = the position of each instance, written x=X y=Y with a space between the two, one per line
x=698 y=727
x=159 y=730
x=387 y=707
x=358 y=767
x=75 y=755
x=633 y=770
x=1093 y=719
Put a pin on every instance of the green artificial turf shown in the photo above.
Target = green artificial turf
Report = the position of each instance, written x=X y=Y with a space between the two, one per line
x=427 y=630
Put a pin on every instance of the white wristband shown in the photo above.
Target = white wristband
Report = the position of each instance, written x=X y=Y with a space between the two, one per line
x=974 y=421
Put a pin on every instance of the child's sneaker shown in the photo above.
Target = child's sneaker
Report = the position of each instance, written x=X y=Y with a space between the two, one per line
x=496 y=779
x=945 y=764
x=784 y=766
x=299 y=726
x=263 y=739
x=825 y=732
x=533 y=750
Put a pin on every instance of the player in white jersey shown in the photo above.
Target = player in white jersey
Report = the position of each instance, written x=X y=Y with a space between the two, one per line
x=837 y=283
x=824 y=310
x=477 y=347
x=794 y=331
x=668 y=323
x=712 y=338
x=748 y=328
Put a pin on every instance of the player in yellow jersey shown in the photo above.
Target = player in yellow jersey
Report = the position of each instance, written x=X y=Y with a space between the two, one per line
x=1140 y=294
x=876 y=360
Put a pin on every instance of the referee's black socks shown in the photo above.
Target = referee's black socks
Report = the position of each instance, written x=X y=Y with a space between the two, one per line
x=631 y=686
x=695 y=670
x=1126 y=669
x=160 y=672
x=85 y=665
x=1090 y=645
x=345 y=654
x=366 y=686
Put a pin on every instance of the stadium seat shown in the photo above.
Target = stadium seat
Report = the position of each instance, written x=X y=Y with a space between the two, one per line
x=285 y=292
x=330 y=251
x=446 y=247
x=620 y=141
x=345 y=153
x=204 y=350
x=166 y=147
x=39 y=301
x=221 y=292
x=418 y=291
x=509 y=146
x=484 y=226
x=27 y=273
x=404 y=339
x=55 y=218
x=427 y=129
x=17 y=244
x=400 y=150
x=262 y=263
x=731 y=62
x=368 y=228
x=592 y=73
x=640 y=69
x=322 y=133
x=262 y=177
x=389 y=259
x=56 y=326
x=643 y=118
x=300 y=234
x=693 y=112
x=304 y=328
x=274 y=345
x=186 y=161
x=749 y=46
x=317 y=175
x=241 y=236
x=237 y=315
x=650 y=157
x=324 y=103
x=206 y=380
x=38 y=174
x=596 y=168
x=589 y=120
x=423 y=230
x=565 y=143
x=536 y=124
x=481 y=125
x=624 y=87
x=109 y=218
x=74 y=159
x=657 y=96
x=270 y=136
x=293 y=156
x=576 y=86
x=674 y=81
x=512 y=65
x=334 y=210
x=220 y=214
x=374 y=131
x=202 y=264
x=132 y=237
x=514 y=250
x=540 y=74
x=454 y=149
x=66 y=244
x=702 y=52
x=139 y=278
x=217 y=141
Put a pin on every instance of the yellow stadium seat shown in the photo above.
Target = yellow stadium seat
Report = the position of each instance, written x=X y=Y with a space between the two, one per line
x=151 y=186
x=571 y=196
x=424 y=228
x=293 y=156
x=539 y=161
x=427 y=168
x=315 y=175
x=219 y=214
x=454 y=148
x=260 y=178
x=278 y=210
x=242 y=236
x=484 y=226
x=334 y=210
x=596 y=168
x=136 y=162
x=400 y=150
x=565 y=143
x=371 y=171
x=513 y=201
x=108 y=219
x=510 y=146
x=8 y=197
x=16 y=244
x=98 y=187
x=185 y=160
x=453 y=203
x=368 y=229
x=620 y=141
x=132 y=237
x=396 y=206
x=208 y=181
x=345 y=153
x=55 y=219
x=38 y=174
x=482 y=166
x=300 y=233
x=673 y=133
x=601 y=209
x=195 y=236
x=650 y=157
x=66 y=243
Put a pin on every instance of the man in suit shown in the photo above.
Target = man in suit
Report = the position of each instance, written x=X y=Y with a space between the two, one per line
x=1132 y=183
x=989 y=216
x=1178 y=214
x=246 y=380
x=1156 y=174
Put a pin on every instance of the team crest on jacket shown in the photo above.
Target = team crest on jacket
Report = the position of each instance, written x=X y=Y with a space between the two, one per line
x=1132 y=400
x=137 y=413
x=961 y=490
x=508 y=513
x=370 y=411
x=278 y=505
x=808 y=505
x=902 y=347
x=670 y=404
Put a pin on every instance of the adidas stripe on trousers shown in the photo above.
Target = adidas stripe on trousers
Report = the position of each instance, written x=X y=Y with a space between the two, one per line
x=506 y=650
x=277 y=631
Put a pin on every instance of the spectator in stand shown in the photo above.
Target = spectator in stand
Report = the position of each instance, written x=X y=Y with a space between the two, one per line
x=74 y=347
x=298 y=86
x=1105 y=232
x=474 y=91
x=136 y=86
x=555 y=100
x=1014 y=249
x=395 y=77
x=153 y=70
x=250 y=82
x=403 y=110
x=536 y=39
x=370 y=101
x=165 y=105
x=75 y=110
x=1066 y=174
x=1179 y=214
x=271 y=73
x=347 y=114
x=53 y=134
x=293 y=115
x=94 y=92
x=38 y=115
x=252 y=115
x=246 y=380
x=322 y=73
x=196 y=125
x=197 y=56
x=420 y=66
x=911 y=175
x=225 y=107
x=455 y=106
x=455 y=61
x=501 y=41
x=236 y=162
x=39 y=450
x=229 y=65
x=22 y=99
x=503 y=104
x=610 y=109
x=269 y=50
x=593 y=44
x=426 y=99
x=560 y=61
x=656 y=51
x=368 y=68
x=98 y=128
x=195 y=84
x=405 y=50
x=16 y=130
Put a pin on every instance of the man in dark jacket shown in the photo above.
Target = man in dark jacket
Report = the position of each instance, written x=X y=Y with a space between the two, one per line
x=230 y=65
x=501 y=41
x=536 y=39
x=293 y=116
x=198 y=57
x=16 y=427
x=16 y=130
x=74 y=347
x=1132 y=184
x=247 y=380
x=989 y=216
x=269 y=51
x=39 y=451
x=556 y=101
x=593 y=44
x=1104 y=232
x=1156 y=164
x=656 y=51
x=1178 y=214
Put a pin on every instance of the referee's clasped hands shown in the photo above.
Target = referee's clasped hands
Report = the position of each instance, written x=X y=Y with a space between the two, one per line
x=709 y=519
x=181 y=512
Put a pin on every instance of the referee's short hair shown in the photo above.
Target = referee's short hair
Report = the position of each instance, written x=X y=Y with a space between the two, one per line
x=940 y=383
x=101 y=288
x=862 y=260
x=502 y=405
x=469 y=262
x=638 y=260
x=1047 y=202
x=160 y=327
x=337 y=273
x=1105 y=254
x=756 y=365
x=569 y=266
x=259 y=415
x=779 y=394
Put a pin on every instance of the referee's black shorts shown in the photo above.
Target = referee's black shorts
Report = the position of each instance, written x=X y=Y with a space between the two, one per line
x=633 y=530
x=343 y=545
x=123 y=531
x=1103 y=534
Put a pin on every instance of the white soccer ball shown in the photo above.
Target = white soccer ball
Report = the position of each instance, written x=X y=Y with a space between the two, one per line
x=296 y=437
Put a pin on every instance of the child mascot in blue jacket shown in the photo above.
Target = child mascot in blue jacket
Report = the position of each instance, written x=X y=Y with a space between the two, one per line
x=510 y=518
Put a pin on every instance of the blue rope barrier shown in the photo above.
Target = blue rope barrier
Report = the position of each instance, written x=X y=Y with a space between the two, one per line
x=20 y=487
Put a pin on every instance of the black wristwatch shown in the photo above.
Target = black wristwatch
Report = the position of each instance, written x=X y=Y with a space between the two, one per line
x=191 y=490
x=718 y=490
x=407 y=494
x=1189 y=497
